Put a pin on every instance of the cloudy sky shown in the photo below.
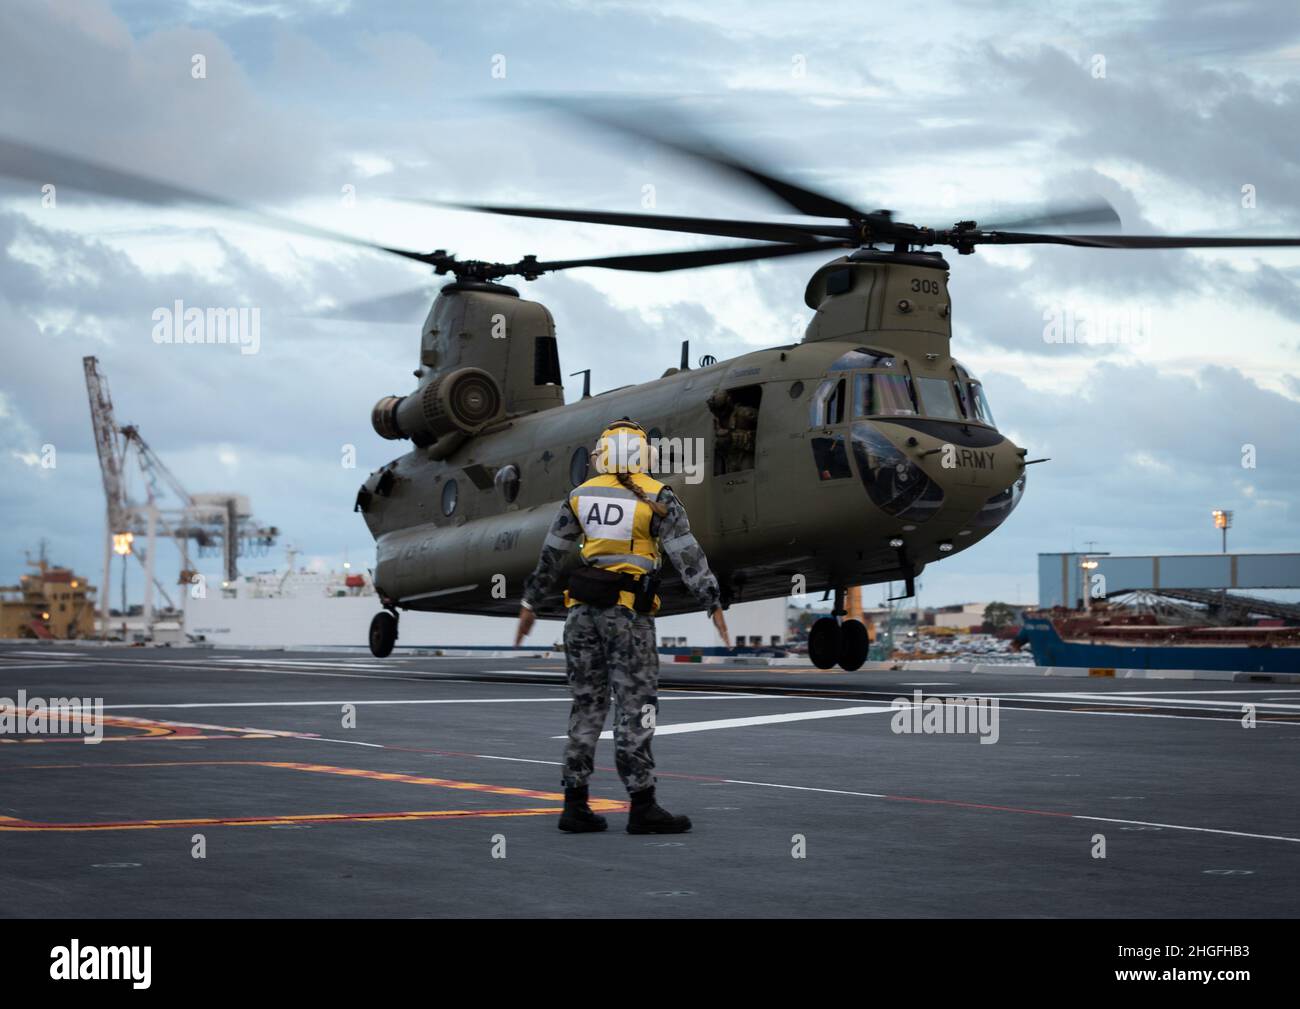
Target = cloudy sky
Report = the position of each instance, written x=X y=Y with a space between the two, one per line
x=1183 y=114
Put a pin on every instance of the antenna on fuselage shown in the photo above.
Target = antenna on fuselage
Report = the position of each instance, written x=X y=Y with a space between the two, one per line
x=686 y=356
x=586 y=382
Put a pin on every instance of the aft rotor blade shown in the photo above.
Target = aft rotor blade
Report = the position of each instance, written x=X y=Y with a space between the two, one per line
x=401 y=307
x=773 y=231
x=36 y=164
x=804 y=200
x=662 y=262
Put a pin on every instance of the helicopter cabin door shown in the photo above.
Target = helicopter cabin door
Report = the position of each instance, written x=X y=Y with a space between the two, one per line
x=735 y=434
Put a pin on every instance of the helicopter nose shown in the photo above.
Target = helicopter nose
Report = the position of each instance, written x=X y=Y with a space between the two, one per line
x=895 y=483
x=914 y=471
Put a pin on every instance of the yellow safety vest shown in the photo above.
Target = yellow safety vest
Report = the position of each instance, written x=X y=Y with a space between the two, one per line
x=616 y=527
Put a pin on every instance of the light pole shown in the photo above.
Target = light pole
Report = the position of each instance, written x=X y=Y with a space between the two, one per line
x=1223 y=522
x=122 y=547
x=1086 y=566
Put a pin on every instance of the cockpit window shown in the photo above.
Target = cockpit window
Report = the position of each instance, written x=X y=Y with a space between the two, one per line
x=863 y=357
x=974 y=403
x=963 y=401
x=827 y=405
x=878 y=395
x=835 y=404
x=981 y=404
x=936 y=397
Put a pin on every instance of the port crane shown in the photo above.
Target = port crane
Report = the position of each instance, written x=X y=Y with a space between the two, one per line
x=217 y=523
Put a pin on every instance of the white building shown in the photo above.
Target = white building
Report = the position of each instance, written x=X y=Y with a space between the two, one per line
x=307 y=609
x=962 y=617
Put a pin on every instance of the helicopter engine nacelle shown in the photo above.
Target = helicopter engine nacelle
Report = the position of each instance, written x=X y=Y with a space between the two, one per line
x=462 y=401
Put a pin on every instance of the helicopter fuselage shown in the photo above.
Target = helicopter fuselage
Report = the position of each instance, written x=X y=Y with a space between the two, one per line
x=855 y=457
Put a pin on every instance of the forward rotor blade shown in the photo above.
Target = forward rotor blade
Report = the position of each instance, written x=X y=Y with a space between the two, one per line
x=662 y=262
x=758 y=230
x=36 y=164
x=1096 y=211
x=678 y=140
x=1122 y=241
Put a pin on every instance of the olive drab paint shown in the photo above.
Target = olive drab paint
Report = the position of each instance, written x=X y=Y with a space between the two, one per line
x=794 y=484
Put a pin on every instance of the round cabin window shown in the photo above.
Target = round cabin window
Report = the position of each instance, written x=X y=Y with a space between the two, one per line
x=449 y=497
x=507 y=481
x=578 y=465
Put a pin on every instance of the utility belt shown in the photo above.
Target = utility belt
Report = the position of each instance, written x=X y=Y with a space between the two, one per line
x=599 y=587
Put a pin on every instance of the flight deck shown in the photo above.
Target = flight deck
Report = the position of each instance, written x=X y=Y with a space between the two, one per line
x=272 y=783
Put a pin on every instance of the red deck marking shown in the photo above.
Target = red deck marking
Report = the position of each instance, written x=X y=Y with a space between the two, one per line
x=151 y=729
x=979 y=805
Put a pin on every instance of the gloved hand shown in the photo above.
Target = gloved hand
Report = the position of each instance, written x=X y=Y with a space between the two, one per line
x=720 y=623
x=526 y=618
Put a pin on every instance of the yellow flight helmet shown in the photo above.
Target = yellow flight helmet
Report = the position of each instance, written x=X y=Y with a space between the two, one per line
x=624 y=447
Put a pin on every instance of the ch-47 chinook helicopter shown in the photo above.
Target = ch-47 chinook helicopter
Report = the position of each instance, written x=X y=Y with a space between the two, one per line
x=856 y=456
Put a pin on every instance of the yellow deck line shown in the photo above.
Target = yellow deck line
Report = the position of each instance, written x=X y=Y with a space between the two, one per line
x=14 y=824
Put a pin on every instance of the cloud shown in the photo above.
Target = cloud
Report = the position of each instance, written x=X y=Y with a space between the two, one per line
x=77 y=80
x=1212 y=131
x=400 y=100
x=1138 y=461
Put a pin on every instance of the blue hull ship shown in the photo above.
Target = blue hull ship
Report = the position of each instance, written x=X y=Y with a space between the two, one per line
x=1050 y=649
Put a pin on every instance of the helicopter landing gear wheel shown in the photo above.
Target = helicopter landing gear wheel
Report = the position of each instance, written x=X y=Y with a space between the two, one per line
x=824 y=642
x=854 y=644
x=383 y=634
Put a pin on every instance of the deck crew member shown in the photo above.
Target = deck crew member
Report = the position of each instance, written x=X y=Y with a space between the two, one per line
x=624 y=522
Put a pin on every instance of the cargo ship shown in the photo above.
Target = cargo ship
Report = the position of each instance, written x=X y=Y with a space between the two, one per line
x=1140 y=641
x=50 y=602
x=299 y=607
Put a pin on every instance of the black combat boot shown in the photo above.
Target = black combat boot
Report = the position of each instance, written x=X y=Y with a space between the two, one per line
x=577 y=817
x=648 y=817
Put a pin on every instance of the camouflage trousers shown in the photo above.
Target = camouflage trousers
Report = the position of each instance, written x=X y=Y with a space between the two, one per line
x=606 y=650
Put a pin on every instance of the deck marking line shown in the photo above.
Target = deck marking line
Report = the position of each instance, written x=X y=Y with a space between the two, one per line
x=597 y=804
x=455 y=700
x=733 y=723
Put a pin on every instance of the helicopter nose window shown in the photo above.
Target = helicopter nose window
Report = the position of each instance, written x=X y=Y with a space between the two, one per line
x=936 y=395
x=999 y=506
x=876 y=395
x=832 y=457
x=981 y=404
x=578 y=465
x=894 y=483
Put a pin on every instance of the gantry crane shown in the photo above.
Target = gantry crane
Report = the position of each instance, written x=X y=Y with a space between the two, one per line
x=215 y=522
